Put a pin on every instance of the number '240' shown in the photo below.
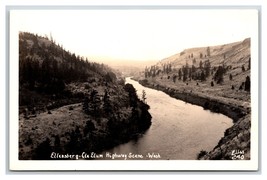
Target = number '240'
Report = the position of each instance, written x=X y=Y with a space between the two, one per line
x=238 y=154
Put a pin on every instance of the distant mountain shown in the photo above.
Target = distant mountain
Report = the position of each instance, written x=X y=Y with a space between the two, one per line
x=129 y=68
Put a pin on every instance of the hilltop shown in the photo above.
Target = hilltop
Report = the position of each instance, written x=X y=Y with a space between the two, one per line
x=216 y=78
x=232 y=53
x=69 y=104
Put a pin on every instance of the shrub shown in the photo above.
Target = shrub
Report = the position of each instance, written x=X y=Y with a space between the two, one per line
x=212 y=84
x=86 y=86
x=233 y=87
x=71 y=108
x=201 y=154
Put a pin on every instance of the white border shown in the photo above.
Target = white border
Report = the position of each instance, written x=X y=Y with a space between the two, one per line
x=124 y=165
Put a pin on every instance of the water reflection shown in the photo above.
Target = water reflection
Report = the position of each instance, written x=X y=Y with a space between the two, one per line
x=179 y=130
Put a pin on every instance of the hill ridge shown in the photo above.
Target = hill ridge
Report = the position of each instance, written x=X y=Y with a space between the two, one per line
x=217 y=52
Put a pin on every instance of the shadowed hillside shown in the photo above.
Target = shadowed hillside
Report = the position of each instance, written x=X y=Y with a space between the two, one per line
x=70 y=105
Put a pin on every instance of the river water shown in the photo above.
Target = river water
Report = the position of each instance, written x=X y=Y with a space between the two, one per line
x=179 y=130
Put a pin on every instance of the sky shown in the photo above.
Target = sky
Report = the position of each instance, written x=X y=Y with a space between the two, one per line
x=136 y=34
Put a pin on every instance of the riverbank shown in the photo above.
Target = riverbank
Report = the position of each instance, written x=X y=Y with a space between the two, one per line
x=236 y=138
x=88 y=126
x=68 y=130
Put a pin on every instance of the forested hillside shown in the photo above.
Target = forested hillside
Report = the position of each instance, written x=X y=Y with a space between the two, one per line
x=69 y=104
x=45 y=67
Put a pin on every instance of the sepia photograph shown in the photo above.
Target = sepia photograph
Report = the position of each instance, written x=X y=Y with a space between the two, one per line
x=118 y=88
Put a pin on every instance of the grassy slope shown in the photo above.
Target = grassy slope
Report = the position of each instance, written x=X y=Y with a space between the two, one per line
x=38 y=129
x=237 y=54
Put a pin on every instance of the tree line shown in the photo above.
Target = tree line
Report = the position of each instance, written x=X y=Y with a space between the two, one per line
x=46 y=66
x=198 y=72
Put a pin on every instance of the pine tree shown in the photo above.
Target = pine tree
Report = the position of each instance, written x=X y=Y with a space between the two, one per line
x=202 y=76
x=144 y=96
x=243 y=68
x=86 y=105
x=247 y=84
x=208 y=51
x=207 y=68
x=212 y=84
x=179 y=74
x=200 y=55
x=249 y=63
x=185 y=72
x=230 y=77
x=218 y=77
x=194 y=61
x=95 y=103
x=200 y=64
x=107 y=104
x=132 y=95
x=189 y=73
x=241 y=86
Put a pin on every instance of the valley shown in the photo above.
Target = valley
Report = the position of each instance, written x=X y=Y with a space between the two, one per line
x=70 y=104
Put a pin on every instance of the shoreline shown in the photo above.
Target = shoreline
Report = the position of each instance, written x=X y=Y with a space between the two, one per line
x=236 y=138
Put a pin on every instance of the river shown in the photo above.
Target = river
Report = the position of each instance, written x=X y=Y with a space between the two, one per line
x=179 y=130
